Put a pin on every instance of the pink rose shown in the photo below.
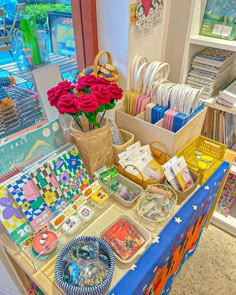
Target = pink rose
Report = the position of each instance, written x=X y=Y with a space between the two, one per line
x=66 y=85
x=88 y=80
x=102 y=93
x=54 y=94
x=87 y=102
x=102 y=81
x=67 y=104
x=116 y=92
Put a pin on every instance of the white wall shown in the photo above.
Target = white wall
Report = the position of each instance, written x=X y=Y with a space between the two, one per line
x=112 y=22
x=123 y=40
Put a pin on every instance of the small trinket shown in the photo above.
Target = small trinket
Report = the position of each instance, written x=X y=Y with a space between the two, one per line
x=100 y=197
x=93 y=274
x=85 y=213
x=71 y=225
x=88 y=251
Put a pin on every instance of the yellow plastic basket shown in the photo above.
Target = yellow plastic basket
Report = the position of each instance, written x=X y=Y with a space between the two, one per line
x=206 y=146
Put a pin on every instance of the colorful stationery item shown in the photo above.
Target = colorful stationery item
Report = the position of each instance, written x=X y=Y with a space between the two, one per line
x=124 y=239
x=85 y=213
x=11 y=216
x=70 y=226
x=71 y=173
x=38 y=142
x=228 y=196
x=90 y=190
x=67 y=212
x=31 y=203
x=99 y=197
x=49 y=188
x=44 y=243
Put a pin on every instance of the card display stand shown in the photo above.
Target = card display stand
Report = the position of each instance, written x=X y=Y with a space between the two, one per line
x=147 y=132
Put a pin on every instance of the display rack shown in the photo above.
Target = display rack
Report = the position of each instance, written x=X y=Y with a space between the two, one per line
x=195 y=42
x=185 y=224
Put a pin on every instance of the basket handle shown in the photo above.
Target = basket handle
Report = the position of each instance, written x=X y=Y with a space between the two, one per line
x=160 y=144
x=96 y=60
x=136 y=169
x=154 y=189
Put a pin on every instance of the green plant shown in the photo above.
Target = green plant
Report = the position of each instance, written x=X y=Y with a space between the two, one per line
x=40 y=11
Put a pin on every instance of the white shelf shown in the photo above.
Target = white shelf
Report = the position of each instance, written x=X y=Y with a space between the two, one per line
x=228 y=224
x=213 y=42
x=210 y=102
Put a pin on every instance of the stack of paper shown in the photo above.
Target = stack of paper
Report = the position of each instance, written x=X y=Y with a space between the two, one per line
x=227 y=95
x=211 y=69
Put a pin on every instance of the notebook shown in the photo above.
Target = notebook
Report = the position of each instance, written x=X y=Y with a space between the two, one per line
x=71 y=174
x=11 y=217
x=49 y=188
x=27 y=196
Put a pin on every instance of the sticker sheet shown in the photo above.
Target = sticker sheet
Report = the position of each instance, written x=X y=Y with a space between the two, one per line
x=30 y=201
x=71 y=173
x=11 y=216
x=49 y=188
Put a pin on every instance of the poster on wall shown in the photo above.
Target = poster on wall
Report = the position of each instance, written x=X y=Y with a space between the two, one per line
x=62 y=33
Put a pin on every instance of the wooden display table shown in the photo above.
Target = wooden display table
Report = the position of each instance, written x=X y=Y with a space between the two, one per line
x=173 y=242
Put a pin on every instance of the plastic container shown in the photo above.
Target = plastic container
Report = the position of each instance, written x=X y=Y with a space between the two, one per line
x=146 y=235
x=205 y=146
x=132 y=187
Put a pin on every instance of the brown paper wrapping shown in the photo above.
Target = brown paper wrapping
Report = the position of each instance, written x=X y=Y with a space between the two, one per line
x=95 y=147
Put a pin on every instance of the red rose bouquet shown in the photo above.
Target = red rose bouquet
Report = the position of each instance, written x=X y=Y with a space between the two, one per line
x=89 y=97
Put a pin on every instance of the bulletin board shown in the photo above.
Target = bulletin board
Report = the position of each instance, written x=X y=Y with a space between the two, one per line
x=61 y=33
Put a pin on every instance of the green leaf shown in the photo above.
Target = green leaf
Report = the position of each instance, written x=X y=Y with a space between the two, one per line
x=101 y=108
x=110 y=106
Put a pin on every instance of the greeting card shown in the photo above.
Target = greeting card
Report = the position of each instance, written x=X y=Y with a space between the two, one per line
x=49 y=188
x=71 y=173
x=30 y=201
x=11 y=216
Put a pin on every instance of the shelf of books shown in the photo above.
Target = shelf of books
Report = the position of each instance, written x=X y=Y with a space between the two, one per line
x=211 y=102
x=213 y=42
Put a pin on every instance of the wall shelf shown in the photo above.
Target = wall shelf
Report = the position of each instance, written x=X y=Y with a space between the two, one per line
x=213 y=42
x=210 y=102
x=228 y=224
